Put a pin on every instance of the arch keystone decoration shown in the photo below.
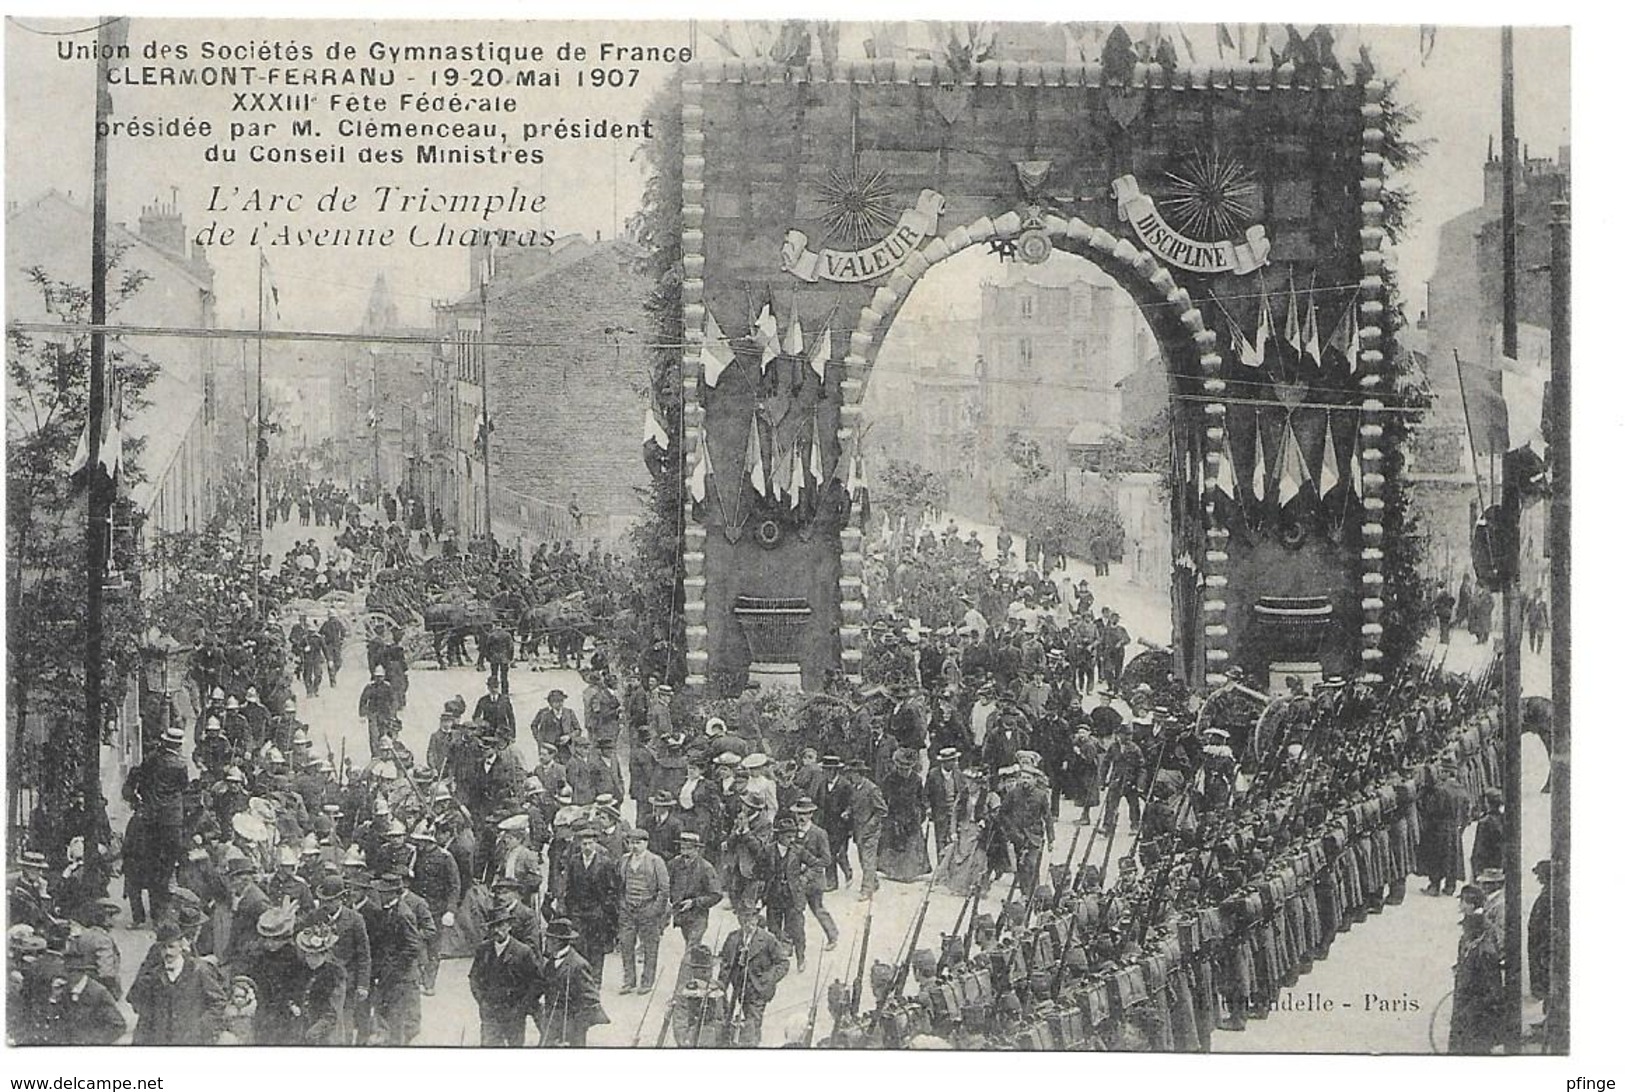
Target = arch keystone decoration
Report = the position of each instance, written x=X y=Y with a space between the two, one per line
x=748 y=178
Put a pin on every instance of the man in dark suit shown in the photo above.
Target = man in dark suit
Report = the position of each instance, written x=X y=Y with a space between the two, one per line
x=830 y=796
x=753 y=964
x=156 y=788
x=79 y=1011
x=865 y=810
x=596 y=772
x=236 y=918
x=815 y=849
x=569 y=989
x=498 y=781
x=495 y=711
x=352 y=949
x=397 y=960
x=555 y=724
x=590 y=895
x=783 y=870
x=505 y=980
x=178 y=999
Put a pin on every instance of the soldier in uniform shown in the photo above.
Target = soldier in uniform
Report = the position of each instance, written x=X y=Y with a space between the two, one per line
x=505 y=980
x=437 y=880
x=377 y=706
x=699 y=1012
x=569 y=989
x=753 y=963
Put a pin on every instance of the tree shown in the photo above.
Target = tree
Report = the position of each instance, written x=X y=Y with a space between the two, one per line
x=906 y=489
x=1028 y=456
x=47 y=406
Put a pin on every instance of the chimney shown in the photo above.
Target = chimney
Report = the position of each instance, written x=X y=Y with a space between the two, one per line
x=161 y=225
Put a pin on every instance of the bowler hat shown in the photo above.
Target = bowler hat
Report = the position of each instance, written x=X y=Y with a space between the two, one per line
x=562 y=929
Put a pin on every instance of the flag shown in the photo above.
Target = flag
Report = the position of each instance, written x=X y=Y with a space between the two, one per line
x=654 y=431
x=795 y=342
x=1311 y=331
x=1249 y=354
x=1339 y=356
x=1356 y=475
x=110 y=451
x=1226 y=483
x=1260 y=483
x=783 y=467
x=815 y=458
x=1426 y=41
x=766 y=333
x=798 y=471
x=820 y=354
x=715 y=355
x=1294 y=472
x=1294 y=336
x=1328 y=462
x=270 y=298
x=1221 y=33
x=753 y=458
x=1185 y=40
x=702 y=468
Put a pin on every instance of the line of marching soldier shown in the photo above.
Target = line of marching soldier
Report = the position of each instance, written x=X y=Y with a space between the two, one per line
x=1205 y=923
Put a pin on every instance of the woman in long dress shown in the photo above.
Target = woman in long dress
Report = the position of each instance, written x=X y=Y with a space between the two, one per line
x=965 y=863
x=902 y=837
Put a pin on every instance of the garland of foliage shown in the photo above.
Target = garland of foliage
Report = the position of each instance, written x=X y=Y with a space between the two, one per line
x=1406 y=610
x=657 y=537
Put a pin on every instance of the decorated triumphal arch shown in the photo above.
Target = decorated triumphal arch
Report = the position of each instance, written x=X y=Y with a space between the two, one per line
x=1240 y=207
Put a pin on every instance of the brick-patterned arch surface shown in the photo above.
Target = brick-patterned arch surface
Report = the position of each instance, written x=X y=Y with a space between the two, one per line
x=758 y=138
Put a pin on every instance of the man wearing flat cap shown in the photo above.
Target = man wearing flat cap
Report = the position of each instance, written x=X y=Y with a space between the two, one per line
x=569 y=989
x=753 y=963
x=505 y=980
x=644 y=910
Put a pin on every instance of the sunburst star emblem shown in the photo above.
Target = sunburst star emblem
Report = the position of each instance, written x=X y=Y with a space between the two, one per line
x=1211 y=197
x=857 y=204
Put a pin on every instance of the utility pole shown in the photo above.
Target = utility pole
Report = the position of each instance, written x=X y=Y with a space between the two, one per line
x=1511 y=622
x=485 y=415
x=98 y=499
x=1557 y=461
x=260 y=443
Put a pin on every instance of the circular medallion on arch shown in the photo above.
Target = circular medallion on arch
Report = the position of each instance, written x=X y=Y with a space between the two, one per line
x=769 y=534
x=1033 y=246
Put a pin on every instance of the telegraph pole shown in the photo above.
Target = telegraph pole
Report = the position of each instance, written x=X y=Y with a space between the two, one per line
x=1511 y=627
x=98 y=499
x=485 y=416
x=1557 y=455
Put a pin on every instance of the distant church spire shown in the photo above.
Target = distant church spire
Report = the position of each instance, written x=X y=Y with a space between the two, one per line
x=381 y=311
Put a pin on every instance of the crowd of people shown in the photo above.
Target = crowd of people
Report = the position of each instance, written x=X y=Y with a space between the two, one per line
x=299 y=896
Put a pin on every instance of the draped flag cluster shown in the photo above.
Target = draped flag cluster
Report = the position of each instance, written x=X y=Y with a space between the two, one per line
x=1300 y=373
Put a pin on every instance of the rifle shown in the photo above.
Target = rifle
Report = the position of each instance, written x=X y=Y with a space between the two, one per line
x=1094 y=829
x=808 y=1036
x=863 y=958
x=705 y=1004
x=901 y=975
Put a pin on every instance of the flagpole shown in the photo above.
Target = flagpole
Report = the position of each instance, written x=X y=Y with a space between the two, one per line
x=259 y=438
x=97 y=500
x=485 y=418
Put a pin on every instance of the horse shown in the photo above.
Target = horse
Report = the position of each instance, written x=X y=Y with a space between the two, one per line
x=450 y=622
